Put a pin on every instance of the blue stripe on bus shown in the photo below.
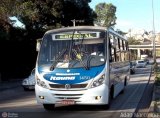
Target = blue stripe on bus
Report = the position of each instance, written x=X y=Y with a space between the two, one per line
x=71 y=76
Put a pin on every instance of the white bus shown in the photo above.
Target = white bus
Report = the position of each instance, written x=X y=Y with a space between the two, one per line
x=84 y=65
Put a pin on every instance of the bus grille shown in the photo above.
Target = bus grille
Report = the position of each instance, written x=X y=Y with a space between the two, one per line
x=72 y=86
x=68 y=96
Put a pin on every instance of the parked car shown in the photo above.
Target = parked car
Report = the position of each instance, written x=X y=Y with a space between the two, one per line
x=29 y=82
x=132 y=67
x=141 y=63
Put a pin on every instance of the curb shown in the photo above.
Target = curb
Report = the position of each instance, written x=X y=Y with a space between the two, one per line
x=152 y=105
x=154 y=110
x=151 y=110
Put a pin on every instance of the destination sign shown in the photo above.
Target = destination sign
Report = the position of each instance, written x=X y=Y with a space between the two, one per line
x=76 y=36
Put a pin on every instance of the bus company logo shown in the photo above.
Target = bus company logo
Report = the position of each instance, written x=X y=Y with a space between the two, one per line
x=67 y=86
x=62 y=78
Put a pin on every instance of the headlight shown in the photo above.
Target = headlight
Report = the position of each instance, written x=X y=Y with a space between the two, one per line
x=98 y=82
x=24 y=82
x=40 y=83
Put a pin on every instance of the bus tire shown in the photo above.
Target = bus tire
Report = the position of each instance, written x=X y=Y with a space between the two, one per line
x=111 y=95
x=125 y=81
x=122 y=91
x=125 y=84
x=49 y=107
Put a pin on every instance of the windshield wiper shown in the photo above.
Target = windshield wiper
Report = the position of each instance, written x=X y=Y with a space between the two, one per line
x=71 y=46
x=77 y=55
x=80 y=60
x=57 y=59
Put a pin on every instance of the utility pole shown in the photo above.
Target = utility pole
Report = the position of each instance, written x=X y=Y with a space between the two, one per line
x=74 y=22
x=153 y=35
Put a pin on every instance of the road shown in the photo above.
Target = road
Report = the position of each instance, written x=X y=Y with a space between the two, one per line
x=21 y=104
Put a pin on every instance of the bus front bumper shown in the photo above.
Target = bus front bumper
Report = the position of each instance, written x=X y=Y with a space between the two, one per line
x=93 y=96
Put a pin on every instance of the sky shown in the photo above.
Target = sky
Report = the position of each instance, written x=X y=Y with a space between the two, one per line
x=135 y=14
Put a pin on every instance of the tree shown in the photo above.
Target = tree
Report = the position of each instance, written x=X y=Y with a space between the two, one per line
x=40 y=14
x=78 y=10
x=106 y=14
x=7 y=8
x=49 y=14
x=133 y=41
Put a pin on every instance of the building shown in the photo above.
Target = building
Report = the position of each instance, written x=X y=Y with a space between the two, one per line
x=146 y=39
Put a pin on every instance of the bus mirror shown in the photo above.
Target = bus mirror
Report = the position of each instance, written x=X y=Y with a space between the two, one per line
x=38 y=44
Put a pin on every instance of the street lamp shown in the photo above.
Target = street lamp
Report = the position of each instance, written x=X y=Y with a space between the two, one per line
x=153 y=34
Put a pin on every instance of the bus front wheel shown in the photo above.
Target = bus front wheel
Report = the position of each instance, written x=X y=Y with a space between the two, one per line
x=49 y=107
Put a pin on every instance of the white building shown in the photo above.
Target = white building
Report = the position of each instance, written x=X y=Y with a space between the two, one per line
x=142 y=35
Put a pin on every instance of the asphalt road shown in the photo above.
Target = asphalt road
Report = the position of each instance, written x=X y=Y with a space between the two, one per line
x=21 y=104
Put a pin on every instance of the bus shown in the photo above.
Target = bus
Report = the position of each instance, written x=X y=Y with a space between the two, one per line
x=81 y=65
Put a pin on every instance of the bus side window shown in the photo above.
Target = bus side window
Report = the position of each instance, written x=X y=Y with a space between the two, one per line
x=118 y=52
x=112 y=48
x=110 y=54
x=122 y=50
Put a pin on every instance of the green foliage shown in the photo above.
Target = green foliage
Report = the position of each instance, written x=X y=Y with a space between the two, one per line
x=133 y=41
x=157 y=74
x=78 y=10
x=42 y=15
x=106 y=14
x=49 y=14
x=7 y=8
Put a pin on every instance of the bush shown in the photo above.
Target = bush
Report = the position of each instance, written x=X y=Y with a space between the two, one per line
x=157 y=80
x=157 y=74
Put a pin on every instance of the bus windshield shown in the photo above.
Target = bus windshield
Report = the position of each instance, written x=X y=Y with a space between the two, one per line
x=74 y=49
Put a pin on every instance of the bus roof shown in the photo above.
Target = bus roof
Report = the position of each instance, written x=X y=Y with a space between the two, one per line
x=78 y=28
x=85 y=28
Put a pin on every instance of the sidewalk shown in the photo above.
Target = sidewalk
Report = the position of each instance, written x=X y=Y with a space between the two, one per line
x=4 y=85
x=157 y=99
x=154 y=110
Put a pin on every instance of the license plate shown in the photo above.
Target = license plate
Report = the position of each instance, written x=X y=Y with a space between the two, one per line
x=68 y=102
